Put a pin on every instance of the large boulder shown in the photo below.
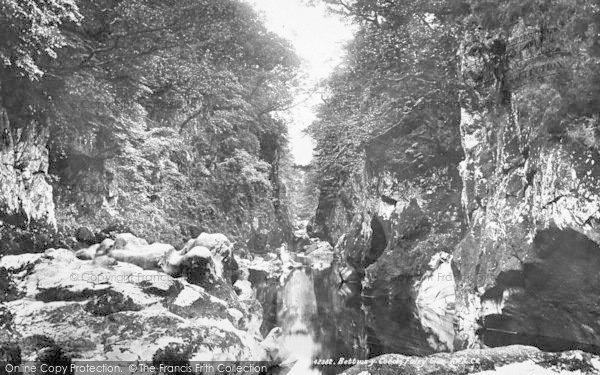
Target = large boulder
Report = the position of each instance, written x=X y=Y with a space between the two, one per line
x=300 y=239
x=127 y=240
x=121 y=312
x=214 y=241
x=87 y=253
x=196 y=265
x=322 y=257
x=129 y=249
x=318 y=246
x=146 y=256
x=222 y=253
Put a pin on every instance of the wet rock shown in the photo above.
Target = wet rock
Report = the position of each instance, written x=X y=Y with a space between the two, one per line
x=435 y=302
x=264 y=277
x=506 y=360
x=321 y=246
x=534 y=302
x=349 y=275
x=321 y=257
x=271 y=343
x=121 y=312
x=301 y=239
x=386 y=229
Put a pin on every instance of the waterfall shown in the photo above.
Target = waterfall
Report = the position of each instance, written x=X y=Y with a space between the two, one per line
x=297 y=318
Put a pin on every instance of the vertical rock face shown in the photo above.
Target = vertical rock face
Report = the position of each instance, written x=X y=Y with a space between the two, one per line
x=525 y=270
x=25 y=195
x=526 y=266
x=386 y=230
x=389 y=228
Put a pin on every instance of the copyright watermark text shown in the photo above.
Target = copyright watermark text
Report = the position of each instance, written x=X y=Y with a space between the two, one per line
x=94 y=277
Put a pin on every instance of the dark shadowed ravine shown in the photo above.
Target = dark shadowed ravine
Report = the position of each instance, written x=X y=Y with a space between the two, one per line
x=337 y=321
x=300 y=187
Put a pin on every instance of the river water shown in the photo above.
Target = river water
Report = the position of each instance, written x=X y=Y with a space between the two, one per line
x=327 y=320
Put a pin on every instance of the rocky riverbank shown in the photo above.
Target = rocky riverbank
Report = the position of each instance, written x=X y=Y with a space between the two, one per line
x=506 y=360
x=126 y=300
x=516 y=219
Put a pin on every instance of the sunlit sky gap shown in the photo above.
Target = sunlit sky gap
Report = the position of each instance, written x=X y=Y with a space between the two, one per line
x=318 y=38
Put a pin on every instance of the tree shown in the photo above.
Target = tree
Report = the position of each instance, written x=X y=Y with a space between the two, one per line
x=151 y=104
x=31 y=33
x=396 y=97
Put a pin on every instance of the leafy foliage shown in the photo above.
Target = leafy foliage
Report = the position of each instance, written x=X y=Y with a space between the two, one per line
x=158 y=110
x=397 y=97
x=31 y=32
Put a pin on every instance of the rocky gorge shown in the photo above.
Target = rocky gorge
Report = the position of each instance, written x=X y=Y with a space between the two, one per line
x=126 y=300
x=498 y=240
x=98 y=308
x=448 y=223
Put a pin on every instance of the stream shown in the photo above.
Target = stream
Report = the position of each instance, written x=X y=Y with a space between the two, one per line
x=325 y=319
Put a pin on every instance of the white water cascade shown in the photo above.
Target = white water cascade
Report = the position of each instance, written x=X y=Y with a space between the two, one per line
x=297 y=319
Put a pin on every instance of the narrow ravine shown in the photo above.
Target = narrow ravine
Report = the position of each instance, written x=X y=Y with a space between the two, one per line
x=291 y=187
x=327 y=321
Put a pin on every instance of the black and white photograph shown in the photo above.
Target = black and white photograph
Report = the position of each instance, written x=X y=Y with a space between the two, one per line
x=299 y=187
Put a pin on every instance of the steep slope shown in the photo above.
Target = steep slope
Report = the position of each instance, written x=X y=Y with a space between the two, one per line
x=493 y=161
x=149 y=116
x=528 y=263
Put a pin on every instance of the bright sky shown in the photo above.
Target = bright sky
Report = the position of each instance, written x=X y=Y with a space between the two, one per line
x=318 y=38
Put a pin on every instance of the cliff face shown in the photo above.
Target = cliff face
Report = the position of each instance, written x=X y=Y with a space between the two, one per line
x=387 y=231
x=378 y=217
x=25 y=194
x=51 y=185
x=154 y=192
x=525 y=268
x=529 y=261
